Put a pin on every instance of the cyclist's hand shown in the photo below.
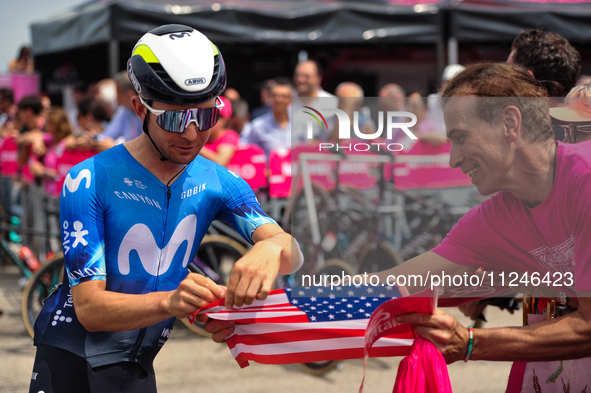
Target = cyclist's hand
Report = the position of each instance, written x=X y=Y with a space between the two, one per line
x=194 y=292
x=253 y=276
x=219 y=329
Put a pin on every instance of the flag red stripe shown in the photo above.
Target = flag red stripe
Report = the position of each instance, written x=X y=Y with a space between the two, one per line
x=304 y=335
x=318 y=356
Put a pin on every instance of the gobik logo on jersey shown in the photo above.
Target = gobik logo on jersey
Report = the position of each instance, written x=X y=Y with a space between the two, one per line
x=345 y=124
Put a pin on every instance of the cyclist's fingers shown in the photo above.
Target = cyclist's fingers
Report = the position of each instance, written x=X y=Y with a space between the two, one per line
x=203 y=285
x=220 y=336
x=214 y=325
x=190 y=302
x=201 y=318
x=266 y=288
x=231 y=291
x=253 y=289
x=241 y=289
x=219 y=329
x=193 y=294
x=238 y=283
x=249 y=284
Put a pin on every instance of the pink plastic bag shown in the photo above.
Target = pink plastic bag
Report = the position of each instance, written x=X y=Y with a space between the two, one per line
x=423 y=370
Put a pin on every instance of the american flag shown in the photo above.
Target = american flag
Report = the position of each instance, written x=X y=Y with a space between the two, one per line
x=294 y=327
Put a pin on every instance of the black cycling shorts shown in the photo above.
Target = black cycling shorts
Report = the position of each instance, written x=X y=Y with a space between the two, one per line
x=59 y=371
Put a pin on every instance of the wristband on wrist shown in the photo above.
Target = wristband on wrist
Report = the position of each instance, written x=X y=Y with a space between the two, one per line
x=469 y=351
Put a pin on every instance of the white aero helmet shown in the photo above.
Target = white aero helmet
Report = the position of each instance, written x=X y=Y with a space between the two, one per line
x=176 y=64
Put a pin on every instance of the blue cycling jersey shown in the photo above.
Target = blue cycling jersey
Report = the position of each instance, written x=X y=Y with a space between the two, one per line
x=121 y=224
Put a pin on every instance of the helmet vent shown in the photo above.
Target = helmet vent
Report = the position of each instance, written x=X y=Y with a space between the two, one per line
x=162 y=74
x=216 y=71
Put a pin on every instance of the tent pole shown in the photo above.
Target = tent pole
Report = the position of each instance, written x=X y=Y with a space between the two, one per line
x=452 y=50
x=440 y=59
x=113 y=57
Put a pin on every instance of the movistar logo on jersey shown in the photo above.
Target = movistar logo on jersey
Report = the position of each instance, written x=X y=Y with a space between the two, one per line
x=73 y=184
x=155 y=260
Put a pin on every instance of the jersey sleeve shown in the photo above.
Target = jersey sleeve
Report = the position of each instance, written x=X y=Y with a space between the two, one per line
x=240 y=208
x=82 y=225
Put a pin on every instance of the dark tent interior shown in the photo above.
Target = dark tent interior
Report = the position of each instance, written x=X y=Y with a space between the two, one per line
x=371 y=43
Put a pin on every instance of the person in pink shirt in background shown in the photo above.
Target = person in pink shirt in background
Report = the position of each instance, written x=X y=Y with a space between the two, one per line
x=58 y=130
x=426 y=129
x=222 y=143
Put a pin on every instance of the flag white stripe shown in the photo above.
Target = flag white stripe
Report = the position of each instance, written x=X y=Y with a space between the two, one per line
x=272 y=308
x=260 y=315
x=315 y=346
x=265 y=328
x=279 y=298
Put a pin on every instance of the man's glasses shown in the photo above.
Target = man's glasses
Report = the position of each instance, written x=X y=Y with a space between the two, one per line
x=570 y=131
x=177 y=121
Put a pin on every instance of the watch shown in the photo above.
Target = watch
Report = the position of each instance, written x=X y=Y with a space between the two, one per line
x=563 y=299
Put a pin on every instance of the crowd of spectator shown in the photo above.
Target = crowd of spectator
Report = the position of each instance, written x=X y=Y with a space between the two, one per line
x=34 y=135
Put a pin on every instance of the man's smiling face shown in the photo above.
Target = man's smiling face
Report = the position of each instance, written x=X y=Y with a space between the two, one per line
x=477 y=147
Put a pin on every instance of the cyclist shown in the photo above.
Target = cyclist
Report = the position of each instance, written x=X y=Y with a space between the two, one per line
x=132 y=218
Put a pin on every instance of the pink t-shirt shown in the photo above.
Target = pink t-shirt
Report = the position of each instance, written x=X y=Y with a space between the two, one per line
x=227 y=137
x=50 y=161
x=504 y=233
x=8 y=158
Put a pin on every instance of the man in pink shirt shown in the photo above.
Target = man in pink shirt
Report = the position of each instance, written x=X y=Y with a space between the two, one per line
x=539 y=220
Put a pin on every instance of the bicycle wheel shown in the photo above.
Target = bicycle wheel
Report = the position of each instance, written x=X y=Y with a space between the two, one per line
x=376 y=259
x=219 y=253
x=39 y=287
x=336 y=267
x=300 y=219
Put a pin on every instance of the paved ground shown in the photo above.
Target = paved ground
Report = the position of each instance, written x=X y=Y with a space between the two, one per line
x=188 y=363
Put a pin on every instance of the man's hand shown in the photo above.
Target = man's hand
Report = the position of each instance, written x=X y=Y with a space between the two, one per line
x=220 y=330
x=443 y=331
x=194 y=292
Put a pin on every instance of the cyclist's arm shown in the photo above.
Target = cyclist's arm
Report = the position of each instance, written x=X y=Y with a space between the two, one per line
x=253 y=275
x=100 y=310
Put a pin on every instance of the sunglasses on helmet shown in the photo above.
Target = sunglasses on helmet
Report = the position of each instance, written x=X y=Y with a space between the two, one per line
x=571 y=130
x=177 y=121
